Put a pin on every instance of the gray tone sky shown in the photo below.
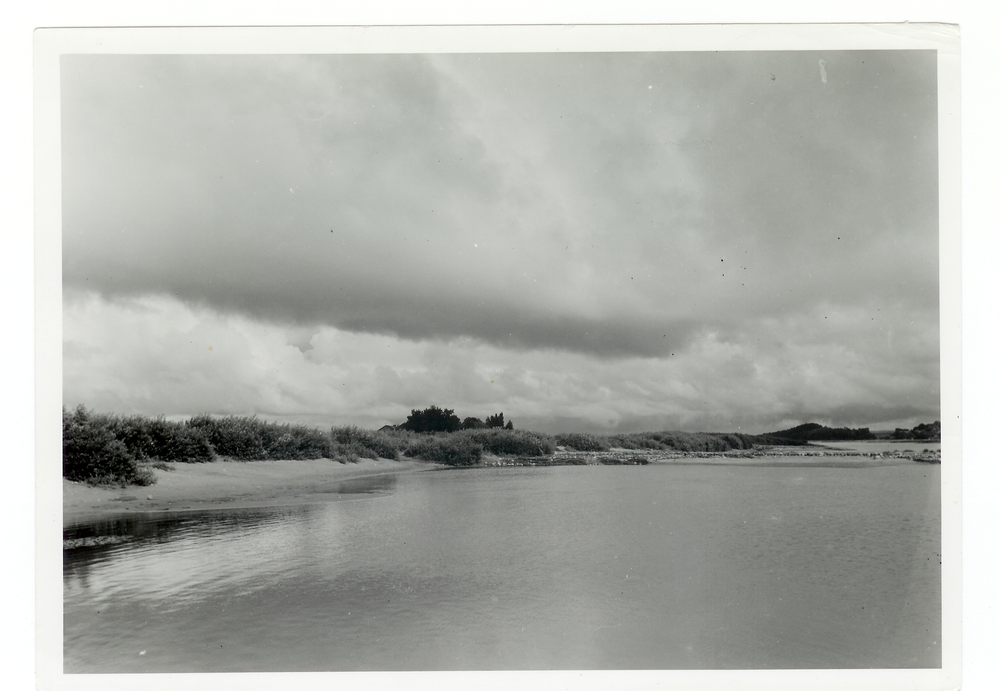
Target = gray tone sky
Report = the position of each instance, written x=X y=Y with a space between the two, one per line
x=584 y=241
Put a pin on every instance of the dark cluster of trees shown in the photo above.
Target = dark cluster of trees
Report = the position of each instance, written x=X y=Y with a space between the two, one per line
x=812 y=431
x=436 y=419
x=922 y=431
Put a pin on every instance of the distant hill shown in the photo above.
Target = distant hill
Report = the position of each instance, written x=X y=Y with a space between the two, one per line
x=812 y=431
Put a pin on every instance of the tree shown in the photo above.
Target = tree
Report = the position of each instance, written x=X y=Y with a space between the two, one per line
x=495 y=420
x=432 y=419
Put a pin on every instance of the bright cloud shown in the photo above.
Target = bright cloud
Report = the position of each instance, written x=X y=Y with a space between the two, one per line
x=160 y=356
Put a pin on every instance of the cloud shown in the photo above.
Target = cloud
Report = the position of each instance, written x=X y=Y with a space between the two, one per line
x=160 y=356
x=720 y=232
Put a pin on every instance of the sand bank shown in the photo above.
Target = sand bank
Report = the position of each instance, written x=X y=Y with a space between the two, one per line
x=227 y=484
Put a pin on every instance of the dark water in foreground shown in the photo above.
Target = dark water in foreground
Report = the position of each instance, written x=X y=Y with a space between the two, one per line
x=639 y=567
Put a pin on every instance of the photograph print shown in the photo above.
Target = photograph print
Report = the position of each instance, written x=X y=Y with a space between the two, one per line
x=565 y=360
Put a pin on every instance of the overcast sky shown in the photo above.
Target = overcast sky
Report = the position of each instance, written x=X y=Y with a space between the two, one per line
x=626 y=241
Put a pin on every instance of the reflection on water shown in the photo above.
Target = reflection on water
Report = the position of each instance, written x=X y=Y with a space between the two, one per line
x=569 y=567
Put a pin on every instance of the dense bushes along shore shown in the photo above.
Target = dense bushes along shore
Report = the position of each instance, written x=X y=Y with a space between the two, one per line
x=115 y=449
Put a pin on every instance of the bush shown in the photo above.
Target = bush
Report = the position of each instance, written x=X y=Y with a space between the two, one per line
x=507 y=442
x=448 y=449
x=582 y=442
x=381 y=444
x=681 y=441
x=188 y=445
x=157 y=438
x=250 y=439
x=134 y=432
x=144 y=477
x=297 y=442
x=92 y=453
x=234 y=437
x=350 y=453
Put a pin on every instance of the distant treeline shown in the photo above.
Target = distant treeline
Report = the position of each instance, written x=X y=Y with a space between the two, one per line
x=812 y=431
x=925 y=432
x=436 y=419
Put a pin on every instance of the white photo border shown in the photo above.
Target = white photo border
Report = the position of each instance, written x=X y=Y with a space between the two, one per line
x=50 y=44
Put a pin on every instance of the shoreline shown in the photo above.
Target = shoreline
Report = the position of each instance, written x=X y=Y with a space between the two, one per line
x=226 y=484
x=806 y=456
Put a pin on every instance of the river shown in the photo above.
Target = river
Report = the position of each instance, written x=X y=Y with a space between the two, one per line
x=576 y=567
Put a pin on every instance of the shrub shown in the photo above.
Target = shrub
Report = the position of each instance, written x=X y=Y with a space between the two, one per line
x=350 y=453
x=504 y=442
x=188 y=445
x=250 y=439
x=144 y=477
x=582 y=442
x=681 y=441
x=157 y=438
x=235 y=437
x=297 y=442
x=92 y=453
x=133 y=431
x=448 y=449
x=381 y=444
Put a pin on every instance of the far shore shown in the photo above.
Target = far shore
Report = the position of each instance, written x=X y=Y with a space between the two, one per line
x=225 y=484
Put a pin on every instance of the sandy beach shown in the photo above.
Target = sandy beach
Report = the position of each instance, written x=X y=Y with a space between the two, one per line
x=228 y=484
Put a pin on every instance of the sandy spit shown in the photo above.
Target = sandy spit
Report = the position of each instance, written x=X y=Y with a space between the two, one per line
x=227 y=484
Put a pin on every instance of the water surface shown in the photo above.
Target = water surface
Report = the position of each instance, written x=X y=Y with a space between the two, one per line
x=581 y=567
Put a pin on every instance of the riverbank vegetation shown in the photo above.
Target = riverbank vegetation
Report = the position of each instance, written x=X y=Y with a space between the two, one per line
x=114 y=449
x=121 y=450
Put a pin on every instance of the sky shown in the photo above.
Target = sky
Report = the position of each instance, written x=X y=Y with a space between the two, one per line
x=585 y=242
